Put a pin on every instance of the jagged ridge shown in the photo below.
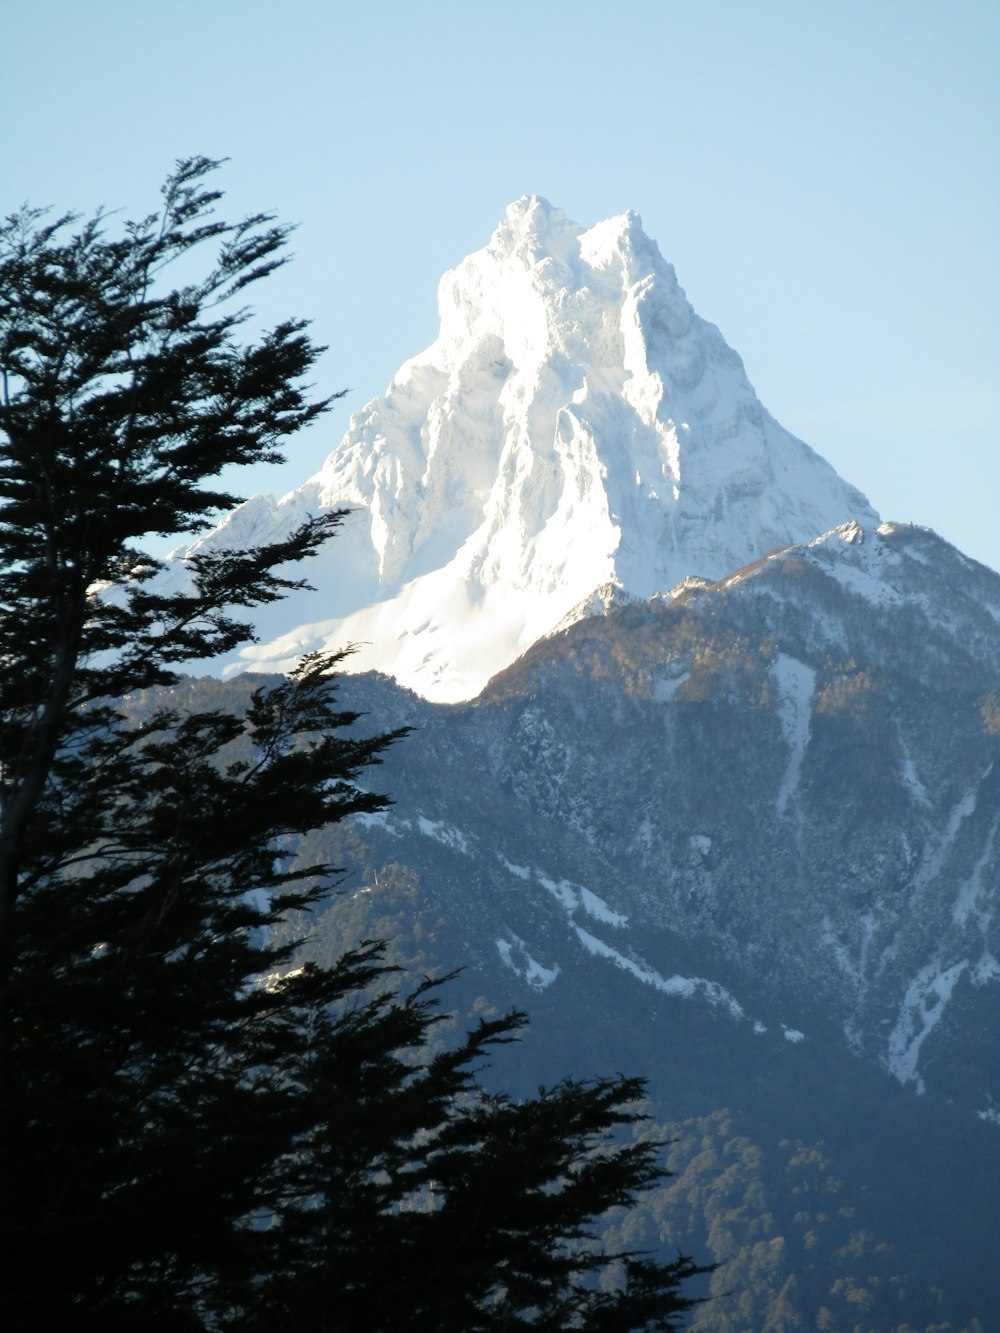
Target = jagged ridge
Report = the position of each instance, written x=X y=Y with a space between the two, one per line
x=574 y=425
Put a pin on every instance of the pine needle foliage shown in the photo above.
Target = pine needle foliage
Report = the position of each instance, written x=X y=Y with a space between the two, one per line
x=197 y=1133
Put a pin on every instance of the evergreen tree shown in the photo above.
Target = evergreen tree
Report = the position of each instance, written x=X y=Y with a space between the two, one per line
x=197 y=1133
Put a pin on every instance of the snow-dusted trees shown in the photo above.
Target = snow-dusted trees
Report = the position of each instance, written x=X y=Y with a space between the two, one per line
x=197 y=1133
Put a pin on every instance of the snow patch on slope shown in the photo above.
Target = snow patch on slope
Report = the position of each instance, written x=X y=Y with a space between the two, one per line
x=973 y=893
x=515 y=955
x=572 y=896
x=665 y=687
x=936 y=853
x=795 y=683
x=855 y=968
x=911 y=777
x=445 y=834
x=923 y=1005
x=687 y=988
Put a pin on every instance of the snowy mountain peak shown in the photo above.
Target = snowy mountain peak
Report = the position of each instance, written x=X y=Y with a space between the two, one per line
x=532 y=216
x=574 y=425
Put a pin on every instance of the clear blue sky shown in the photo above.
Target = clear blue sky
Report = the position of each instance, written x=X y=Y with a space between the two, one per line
x=824 y=176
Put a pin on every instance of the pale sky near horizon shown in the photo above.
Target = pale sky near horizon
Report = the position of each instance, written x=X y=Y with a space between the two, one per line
x=825 y=177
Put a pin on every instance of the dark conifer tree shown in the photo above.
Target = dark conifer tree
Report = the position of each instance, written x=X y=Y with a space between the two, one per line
x=196 y=1133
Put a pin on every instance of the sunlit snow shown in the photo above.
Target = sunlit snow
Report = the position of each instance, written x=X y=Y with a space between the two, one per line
x=574 y=426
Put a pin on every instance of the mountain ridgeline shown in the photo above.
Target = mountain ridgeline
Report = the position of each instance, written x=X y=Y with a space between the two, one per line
x=574 y=425
x=704 y=773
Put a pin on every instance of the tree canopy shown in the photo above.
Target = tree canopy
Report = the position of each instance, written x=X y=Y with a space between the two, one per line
x=197 y=1132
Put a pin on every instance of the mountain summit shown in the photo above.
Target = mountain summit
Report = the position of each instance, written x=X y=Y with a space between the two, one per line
x=574 y=428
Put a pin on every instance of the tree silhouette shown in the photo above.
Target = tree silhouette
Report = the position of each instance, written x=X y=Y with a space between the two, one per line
x=196 y=1132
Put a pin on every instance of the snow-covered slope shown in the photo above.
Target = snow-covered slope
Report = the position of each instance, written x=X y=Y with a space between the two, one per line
x=574 y=426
